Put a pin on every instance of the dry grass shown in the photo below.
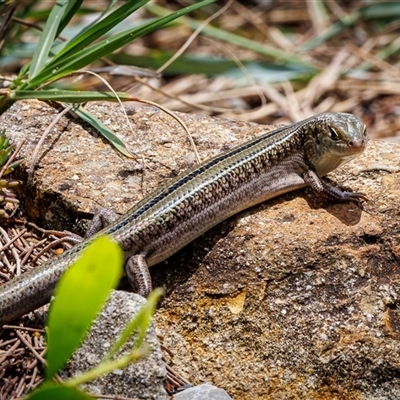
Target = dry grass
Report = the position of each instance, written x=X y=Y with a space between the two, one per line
x=353 y=74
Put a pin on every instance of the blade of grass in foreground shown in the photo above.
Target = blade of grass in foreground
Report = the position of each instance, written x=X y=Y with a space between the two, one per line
x=52 y=391
x=79 y=296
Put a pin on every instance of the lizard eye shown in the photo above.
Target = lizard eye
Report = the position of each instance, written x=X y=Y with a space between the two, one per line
x=333 y=134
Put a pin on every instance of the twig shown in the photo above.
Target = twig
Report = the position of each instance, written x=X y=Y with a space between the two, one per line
x=48 y=231
x=13 y=240
x=23 y=328
x=30 y=347
x=71 y=239
x=10 y=350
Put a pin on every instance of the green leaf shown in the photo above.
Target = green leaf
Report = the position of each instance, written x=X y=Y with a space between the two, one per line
x=94 y=32
x=47 y=37
x=79 y=296
x=52 y=391
x=69 y=13
x=70 y=96
x=65 y=66
x=98 y=125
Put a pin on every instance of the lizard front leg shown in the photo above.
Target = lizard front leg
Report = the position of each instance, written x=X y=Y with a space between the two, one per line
x=322 y=188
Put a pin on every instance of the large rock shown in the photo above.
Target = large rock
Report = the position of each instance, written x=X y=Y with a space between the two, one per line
x=294 y=299
x=297 y=298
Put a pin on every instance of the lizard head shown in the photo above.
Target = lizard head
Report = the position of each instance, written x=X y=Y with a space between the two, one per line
x=333 y=139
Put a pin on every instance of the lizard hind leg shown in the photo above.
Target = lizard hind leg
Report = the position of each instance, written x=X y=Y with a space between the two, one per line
x=136 y=267
x=138 y=274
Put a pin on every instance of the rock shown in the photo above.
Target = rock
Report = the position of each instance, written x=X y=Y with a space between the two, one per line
x=296 y=298
x=202 y=392
x=142 y=380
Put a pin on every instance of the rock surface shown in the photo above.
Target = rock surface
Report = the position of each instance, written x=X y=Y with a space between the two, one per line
x=143 y=380
x=202 y=392
x=296 y=298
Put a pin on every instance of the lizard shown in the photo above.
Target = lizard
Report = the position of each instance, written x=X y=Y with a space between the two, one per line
x=276 y=162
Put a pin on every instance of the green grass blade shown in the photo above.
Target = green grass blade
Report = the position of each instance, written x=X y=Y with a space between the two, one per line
x=70 y=96
x=40 y=57
x=69 y=13
x=99 y=126
x=79 y=296
x=90 y=35
x=60 y=68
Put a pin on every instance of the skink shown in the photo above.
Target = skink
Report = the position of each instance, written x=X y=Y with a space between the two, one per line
x=277 y=162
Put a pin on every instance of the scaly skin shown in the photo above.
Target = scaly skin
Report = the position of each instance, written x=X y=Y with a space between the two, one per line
x=277 y=162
